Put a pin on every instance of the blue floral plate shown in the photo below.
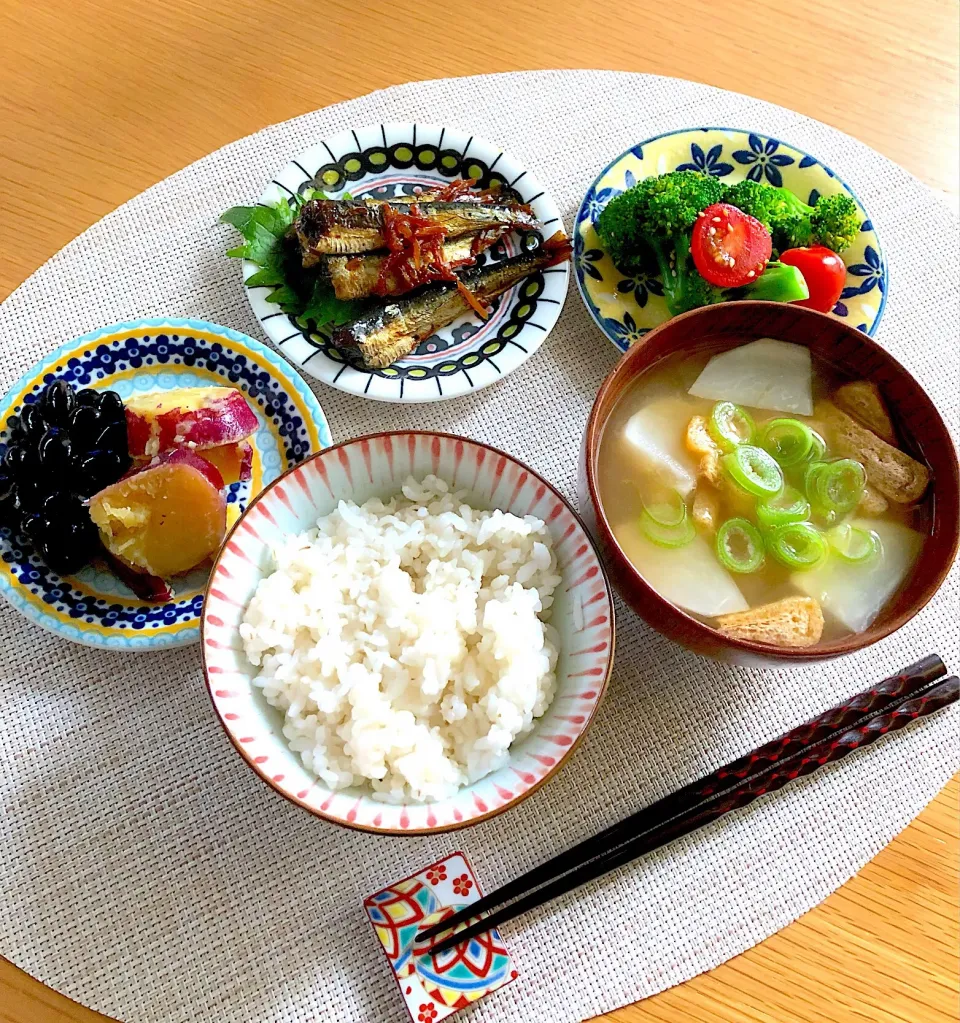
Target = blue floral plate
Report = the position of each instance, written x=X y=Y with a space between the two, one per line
x=94 y=607
x=626 y=308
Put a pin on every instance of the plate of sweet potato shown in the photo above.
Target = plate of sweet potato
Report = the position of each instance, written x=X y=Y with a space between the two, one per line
x=125 y=457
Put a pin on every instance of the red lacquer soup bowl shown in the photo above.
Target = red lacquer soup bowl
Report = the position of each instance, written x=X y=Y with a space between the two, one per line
x=853 y=355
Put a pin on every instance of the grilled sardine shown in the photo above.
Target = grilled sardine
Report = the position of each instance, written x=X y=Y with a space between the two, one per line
x=394 y=330
x=357 y=276
x=427 y=195
x=333 y=227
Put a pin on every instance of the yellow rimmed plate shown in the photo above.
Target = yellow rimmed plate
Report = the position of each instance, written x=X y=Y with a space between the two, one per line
x=94 y=607
x=625 y=308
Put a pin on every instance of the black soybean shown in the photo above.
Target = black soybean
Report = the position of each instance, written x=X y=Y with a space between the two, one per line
x=8 y=500
x=54 y=452
x=88 y=396
x=29 y=496
x=32 y=422
x=114 y=437
x=62 y=506
x=64 y=554
x=96 y=469
x=15 y=460
x=84 y=426
x=111 y=467
x=63 y=447
x=57 y=402
x=111 y=407
x=15 y=428
x=33 y=528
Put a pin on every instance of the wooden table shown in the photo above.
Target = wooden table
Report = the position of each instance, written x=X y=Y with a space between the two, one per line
x=100 y=99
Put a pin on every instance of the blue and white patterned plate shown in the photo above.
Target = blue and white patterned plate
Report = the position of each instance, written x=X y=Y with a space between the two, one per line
x=94 y=607
x=384 y=160
x=626 y=308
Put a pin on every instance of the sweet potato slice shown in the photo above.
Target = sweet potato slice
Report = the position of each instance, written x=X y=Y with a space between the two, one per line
x=234 y=461
x=166 y=518
x=193 y=417
x=150 y=588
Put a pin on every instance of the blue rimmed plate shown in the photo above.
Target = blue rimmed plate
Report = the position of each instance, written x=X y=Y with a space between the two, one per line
x=94 y=607
x=385 y=160
x=625 y=308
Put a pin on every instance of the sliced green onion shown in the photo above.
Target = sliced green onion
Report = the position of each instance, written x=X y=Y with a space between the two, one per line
x=835 y=488
x=810 y=473
x=666 y=536
x=665 y=506
x=787 y=506
x=754 y=470
x=739 y=546
x=798 y=545
x=854 y=544
x=730 y=425
x=819 y=448
x=788 y=440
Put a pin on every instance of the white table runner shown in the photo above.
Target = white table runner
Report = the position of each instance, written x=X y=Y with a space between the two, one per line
x=146 y=872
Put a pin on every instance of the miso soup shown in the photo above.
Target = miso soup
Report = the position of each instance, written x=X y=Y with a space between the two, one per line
x=757 y=489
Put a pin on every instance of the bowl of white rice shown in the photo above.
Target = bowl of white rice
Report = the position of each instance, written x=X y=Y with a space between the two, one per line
x=408 y=632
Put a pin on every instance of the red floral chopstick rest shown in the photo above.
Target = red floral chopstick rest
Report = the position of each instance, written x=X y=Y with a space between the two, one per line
x=435 y=987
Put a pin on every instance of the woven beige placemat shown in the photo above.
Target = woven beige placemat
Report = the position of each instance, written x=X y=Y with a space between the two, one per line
x=146 y=872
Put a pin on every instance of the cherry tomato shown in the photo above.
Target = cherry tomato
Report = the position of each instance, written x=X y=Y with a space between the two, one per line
x=729 y=247
x=824 y=272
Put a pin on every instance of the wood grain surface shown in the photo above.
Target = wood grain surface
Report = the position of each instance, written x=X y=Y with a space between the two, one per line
x=100 y=99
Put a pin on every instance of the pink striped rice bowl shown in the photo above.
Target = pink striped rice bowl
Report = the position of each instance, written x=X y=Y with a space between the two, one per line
x=376 y=466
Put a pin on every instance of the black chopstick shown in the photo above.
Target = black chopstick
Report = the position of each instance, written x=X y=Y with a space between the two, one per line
x=936 y=695
x=688 y=808
x=890 y=690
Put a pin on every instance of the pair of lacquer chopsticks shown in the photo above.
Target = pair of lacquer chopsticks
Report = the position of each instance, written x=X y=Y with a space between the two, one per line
x=915 y=692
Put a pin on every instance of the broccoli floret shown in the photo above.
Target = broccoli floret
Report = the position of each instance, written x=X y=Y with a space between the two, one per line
x=657 y=216
x=649 y=226
x=785 y=216
x=771 y=206
x=835 y=221
x=617 y=228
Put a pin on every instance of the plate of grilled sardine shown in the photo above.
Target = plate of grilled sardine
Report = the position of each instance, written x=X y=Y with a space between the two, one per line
x=404 y=262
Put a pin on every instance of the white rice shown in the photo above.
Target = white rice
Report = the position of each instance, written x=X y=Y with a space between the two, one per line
x=407 y=642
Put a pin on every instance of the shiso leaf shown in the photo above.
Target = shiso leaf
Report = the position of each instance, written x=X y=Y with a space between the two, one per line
x=299 y=292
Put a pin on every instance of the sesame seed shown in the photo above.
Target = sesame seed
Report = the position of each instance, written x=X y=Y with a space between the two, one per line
x=718 y=220
x=752 y=273
x=712 y=230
